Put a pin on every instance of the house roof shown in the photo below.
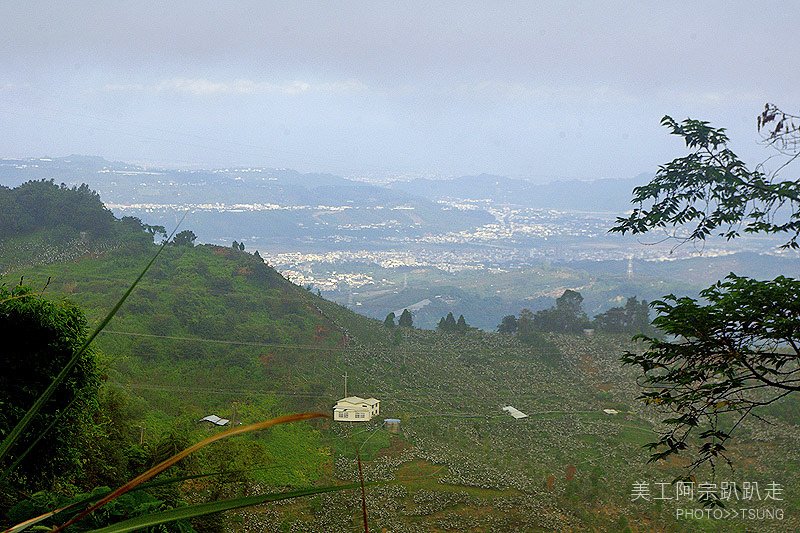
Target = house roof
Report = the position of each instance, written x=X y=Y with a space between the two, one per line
x=214 y=419
x=356 y=400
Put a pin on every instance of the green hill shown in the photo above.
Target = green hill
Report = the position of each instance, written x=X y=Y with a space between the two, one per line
x=213 y=330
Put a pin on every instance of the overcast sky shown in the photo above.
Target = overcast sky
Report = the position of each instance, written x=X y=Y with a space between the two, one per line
x=540 y=90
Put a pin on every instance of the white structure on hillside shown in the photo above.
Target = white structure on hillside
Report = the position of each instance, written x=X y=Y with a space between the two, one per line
x=355 y=409
x=214 y=419
x=413 y=308
x=513 y=411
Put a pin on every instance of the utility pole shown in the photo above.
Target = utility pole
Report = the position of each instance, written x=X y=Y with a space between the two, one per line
x=345 y=384
x=141 y=435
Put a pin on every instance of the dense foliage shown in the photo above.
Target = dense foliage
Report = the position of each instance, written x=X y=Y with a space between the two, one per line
x=44 y=205
x=449 y=324
x=508 y=324
x=567 y=316
x=40 y=336
x=633 y=317
x=185 y=238
x=737 y=351
x=405 y=320
x=739 y=348
x=711 y=190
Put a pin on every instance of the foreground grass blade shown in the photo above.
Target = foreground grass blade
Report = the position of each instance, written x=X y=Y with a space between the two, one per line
x=191 y=449
x=33 y=521
x=192 y=511
x=23 y=424
x=144 y=486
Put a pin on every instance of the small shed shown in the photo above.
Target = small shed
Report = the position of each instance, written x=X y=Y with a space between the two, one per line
x=356 y=409
x=392 y=425
x=513 y=411
x=214 y=419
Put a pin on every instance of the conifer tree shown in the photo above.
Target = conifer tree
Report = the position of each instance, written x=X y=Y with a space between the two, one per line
x=405 y=321
x=450 y=323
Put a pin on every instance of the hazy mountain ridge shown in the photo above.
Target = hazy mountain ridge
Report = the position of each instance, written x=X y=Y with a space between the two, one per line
x=272 y=205
x=117 y=181
x=596 y=195
x=120 y=182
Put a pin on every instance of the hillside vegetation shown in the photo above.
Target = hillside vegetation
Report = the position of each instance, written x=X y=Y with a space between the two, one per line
x=214 y=330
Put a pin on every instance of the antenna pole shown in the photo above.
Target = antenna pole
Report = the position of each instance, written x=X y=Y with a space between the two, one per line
x=345 y=384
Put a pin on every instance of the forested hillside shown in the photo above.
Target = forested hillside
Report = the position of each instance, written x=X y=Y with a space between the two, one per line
x=209 y=330
x=215 y=330
x=37 y=205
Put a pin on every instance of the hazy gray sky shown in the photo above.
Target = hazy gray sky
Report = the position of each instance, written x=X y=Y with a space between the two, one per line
x=542 y=90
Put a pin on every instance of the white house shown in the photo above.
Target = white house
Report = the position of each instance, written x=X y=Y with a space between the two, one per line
x=355 y=409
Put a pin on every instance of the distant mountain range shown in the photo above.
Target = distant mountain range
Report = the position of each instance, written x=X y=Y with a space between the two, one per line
x=251 y=204
x=121 y=182
x=598 y=195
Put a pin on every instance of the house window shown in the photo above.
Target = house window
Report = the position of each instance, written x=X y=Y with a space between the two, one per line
x=344 y=414
x=359 y=415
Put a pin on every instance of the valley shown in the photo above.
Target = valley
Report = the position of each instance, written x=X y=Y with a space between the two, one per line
x=215 y=330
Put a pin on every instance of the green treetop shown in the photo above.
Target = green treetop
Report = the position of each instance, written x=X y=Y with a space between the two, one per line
x=40 y=337
x=405 y=321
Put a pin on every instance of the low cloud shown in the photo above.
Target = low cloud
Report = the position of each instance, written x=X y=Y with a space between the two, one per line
x=12 y=86
x=521 y=92
x=725 y=97
x=204 y=87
